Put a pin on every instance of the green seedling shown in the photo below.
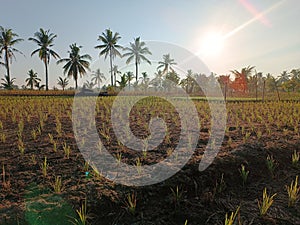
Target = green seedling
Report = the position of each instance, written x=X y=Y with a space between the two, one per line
x=220 y=185
x=176 y=195
x=21 y=146
x=130 y=204
x=67 y=150
x=51 y=140
x=265 y=203
x=244 y=174
x=271 y=164
x=139 y=166
x=44 y=167
x=57 y=186
x=82 y=214
x=231 y=219
x=295 y=159
x=293 y=192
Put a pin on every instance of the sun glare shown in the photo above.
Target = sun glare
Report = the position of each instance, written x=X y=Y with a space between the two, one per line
x=212 y=44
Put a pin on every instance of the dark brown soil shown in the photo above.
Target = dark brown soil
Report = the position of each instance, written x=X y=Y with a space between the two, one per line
x=203 y=200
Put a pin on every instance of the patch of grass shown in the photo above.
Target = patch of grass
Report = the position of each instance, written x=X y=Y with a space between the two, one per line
x=46 y=208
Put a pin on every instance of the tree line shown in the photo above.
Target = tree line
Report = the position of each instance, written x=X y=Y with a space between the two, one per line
x=246 y=81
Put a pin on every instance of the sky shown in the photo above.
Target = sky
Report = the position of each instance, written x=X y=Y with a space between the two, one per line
x=225 y=34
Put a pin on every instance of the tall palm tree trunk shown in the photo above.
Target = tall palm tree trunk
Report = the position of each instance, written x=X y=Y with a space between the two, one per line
x=278 y=96
x=46 y=68
x=115 y=76
x=76 y=85
x=263 y=95
x=225 y=91
x=136 y=70
x=111 y=67
x=7 y=63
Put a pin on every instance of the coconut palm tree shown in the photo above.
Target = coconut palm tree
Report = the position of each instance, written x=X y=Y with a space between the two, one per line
x=63 y=82
x=166 y=64
x=129 y=77
x=122 y=83
x=76 y=63
x=115 y=72
x=7 y=41
x=109 y=47
x=284 y=77
x=158 y=80
x=44 y=39
x=89 y=84
x=32 y=79
x=241 y=78
x=137 y=51
x=98 y=77
x=40 y=86
x=1 y=63
x=188 y=83
x=8 y=83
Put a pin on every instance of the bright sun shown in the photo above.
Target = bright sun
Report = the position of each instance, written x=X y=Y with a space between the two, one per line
x=212 y=44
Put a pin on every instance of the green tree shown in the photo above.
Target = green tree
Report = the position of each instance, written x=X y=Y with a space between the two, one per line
x=40 y=86
x=63 y=82
x=89 y=84
x=76 y=64
x=157 y=81
x=171 y=81
x=122 y=83
x=129 y=77
x=137 y=52
x=32 y=79
x=145 y=80
x=98 y=77
x=284 y=77
x=7 y=41
x=241 y=78
x=8 y=83
x=44 y=39
x=188 y=83
x=166 y=64
x=109 y=47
